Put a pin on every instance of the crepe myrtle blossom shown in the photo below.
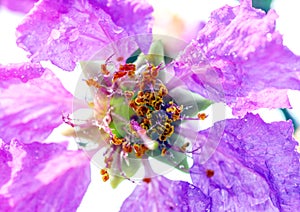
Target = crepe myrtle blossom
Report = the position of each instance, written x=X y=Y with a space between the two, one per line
x=143 y=110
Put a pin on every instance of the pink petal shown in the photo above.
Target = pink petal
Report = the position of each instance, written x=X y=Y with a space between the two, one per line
x=42 y=177
x=30 y=111
x=21 y=71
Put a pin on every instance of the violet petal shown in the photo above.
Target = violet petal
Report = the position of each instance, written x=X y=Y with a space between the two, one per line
x=162 y=194
x=42 y=177
x=66 y=32
x=246 y=58
x=136 y=20
x=254 y=168
x=30 y=111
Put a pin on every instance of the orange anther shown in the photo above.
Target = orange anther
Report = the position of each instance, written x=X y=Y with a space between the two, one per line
x=202 y=116
x=117 y=141
x=104 y=69
x=103 y=171
x=105 y=177
x=92 y=82
x=126 y=147
x=118 y=75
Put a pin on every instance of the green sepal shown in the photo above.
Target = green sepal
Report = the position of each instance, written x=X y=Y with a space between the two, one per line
x=197 y=102
x=202 y=103
x=155 y=55
x=179 y=161
x=115 y=181
x=122 y=110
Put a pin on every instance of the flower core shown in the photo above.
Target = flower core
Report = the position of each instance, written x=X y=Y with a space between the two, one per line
x=140 y=119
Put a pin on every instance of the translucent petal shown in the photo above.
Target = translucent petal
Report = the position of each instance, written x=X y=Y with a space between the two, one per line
x=254 y=168
x=41 y=177
x=162 y=194
x=30 y=111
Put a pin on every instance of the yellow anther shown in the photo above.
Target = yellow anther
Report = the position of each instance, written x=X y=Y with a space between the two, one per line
x=163 y=91
x=162 y=137
x=163 y=151
x=144 y=126
x=142 y=111
x=184 y=146
x=139 y=100
x=157 y=104
x=133 y=104
x=171 y=109
x=139 y=150
x=169 y=130
x=117 y=141
x=91 y=104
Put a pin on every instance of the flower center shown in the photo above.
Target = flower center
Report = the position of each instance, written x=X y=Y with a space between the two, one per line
x=152 y=113
x=137 y=117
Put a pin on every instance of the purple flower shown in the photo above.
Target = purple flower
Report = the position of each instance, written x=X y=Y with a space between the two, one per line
x=135 y=113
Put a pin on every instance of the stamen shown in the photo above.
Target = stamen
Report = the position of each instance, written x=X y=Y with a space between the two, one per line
x=105 y=175
x=202 y=116
x=93 y=83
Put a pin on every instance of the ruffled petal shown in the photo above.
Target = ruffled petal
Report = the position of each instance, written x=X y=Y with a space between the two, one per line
x=261 y=99
x=22 y=6
x=254 y=168
x=162 y=194
x=136 y=20
x=66 y=32
x=20 y=71
x=42 y=177
x=30 y=111
x=246 y=58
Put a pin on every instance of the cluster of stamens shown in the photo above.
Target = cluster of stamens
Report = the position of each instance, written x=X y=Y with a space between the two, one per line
x=155 y=114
